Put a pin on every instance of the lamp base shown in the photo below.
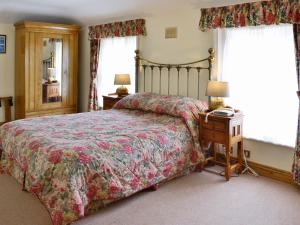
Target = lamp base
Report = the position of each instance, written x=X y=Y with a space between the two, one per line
x=122 y=90
x=216 y=103
x=50 y=79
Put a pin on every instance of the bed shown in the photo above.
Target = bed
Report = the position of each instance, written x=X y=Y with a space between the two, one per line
x=78 y=163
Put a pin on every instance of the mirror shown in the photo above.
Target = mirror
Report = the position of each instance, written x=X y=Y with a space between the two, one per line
x=52 y=70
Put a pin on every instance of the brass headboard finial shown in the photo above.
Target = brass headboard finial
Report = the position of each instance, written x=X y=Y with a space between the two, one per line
x=211 y=52
x=211 y=59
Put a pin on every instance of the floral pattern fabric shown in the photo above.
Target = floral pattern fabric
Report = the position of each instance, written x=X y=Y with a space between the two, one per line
x=93 y=97
x=118 y=29
x=184 y=107
x=251 y=14
x=76 y=164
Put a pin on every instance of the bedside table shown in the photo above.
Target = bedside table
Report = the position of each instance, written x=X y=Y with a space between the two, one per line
x=110 y=100
x=51 y=92
x=226 y=131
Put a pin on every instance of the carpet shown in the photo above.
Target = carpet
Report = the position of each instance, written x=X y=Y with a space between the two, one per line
x=197 y=199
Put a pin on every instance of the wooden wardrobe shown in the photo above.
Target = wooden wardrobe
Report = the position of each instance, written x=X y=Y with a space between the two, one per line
x=46 y=58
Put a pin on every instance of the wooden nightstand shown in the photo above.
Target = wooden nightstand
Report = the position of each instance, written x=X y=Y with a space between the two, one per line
x=110 y=100
x=51 y=92
x=227 y=131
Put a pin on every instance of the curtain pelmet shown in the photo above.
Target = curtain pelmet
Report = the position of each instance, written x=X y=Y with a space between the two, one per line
x=251 y=14
x=118 y=29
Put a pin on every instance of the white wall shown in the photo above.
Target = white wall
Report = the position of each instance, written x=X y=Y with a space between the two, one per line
x=269 y=154
x=7 y=66
x=191 y=44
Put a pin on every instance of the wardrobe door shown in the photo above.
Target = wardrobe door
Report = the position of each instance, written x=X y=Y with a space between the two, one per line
x=52 y=71
x=73 y=68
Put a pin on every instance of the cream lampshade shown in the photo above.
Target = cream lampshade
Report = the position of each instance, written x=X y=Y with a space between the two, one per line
x=122 y=79
x=217 y=89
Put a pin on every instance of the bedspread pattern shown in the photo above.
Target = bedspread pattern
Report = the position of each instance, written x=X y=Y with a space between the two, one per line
x=76 y=164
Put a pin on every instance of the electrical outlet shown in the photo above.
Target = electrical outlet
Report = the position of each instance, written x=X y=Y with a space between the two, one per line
x=247 y=153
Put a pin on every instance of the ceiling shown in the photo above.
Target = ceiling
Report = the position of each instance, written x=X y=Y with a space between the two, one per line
x=89 y=12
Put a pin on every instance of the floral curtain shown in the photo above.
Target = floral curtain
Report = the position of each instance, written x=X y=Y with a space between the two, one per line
x=118 y=29
x=93 y=99
x=296 y=164
x=251 y=14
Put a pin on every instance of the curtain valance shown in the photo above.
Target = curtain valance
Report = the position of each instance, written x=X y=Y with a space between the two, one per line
x=118 y=29
x=251 y=14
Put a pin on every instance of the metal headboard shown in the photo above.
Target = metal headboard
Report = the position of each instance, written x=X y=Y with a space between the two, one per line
x=141 y=65
x=48 y=63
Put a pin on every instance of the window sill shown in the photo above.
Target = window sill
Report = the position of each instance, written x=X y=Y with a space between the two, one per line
x=271 y=143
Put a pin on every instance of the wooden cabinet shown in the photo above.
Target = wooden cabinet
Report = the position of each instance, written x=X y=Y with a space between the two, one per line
x=46 y=58
x=110 y=100
x=226 y=131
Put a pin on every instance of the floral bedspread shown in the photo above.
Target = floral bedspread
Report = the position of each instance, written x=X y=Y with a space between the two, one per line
x=76 y=164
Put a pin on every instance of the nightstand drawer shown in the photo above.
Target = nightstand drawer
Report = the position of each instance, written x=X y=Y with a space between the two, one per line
x=214 y=125
x=215 y=136
x=219 y=126
x=208 y=125
x=108 y=104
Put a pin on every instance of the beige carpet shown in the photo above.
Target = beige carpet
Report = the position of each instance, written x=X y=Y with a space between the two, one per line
x=200 y=198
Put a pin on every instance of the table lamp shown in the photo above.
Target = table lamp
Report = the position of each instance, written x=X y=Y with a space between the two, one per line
x=218 y=90
x=51 y=75
x=122 y=79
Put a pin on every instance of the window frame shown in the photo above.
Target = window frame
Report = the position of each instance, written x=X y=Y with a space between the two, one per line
x=219 y=42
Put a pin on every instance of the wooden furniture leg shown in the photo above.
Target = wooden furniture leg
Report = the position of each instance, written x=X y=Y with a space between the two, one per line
x=199 y=167
x=227 y=167
x=240 y=156
x=214 y=151
x=7 y=109
x=153 y=187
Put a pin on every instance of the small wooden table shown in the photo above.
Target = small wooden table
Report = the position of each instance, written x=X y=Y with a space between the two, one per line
x=110 y=100
x=226 y=131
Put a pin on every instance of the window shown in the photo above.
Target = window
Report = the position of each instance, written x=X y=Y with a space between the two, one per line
x=116 y=57
x=259 y=64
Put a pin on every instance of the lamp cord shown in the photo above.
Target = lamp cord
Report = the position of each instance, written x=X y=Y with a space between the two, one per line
x=247 y=168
